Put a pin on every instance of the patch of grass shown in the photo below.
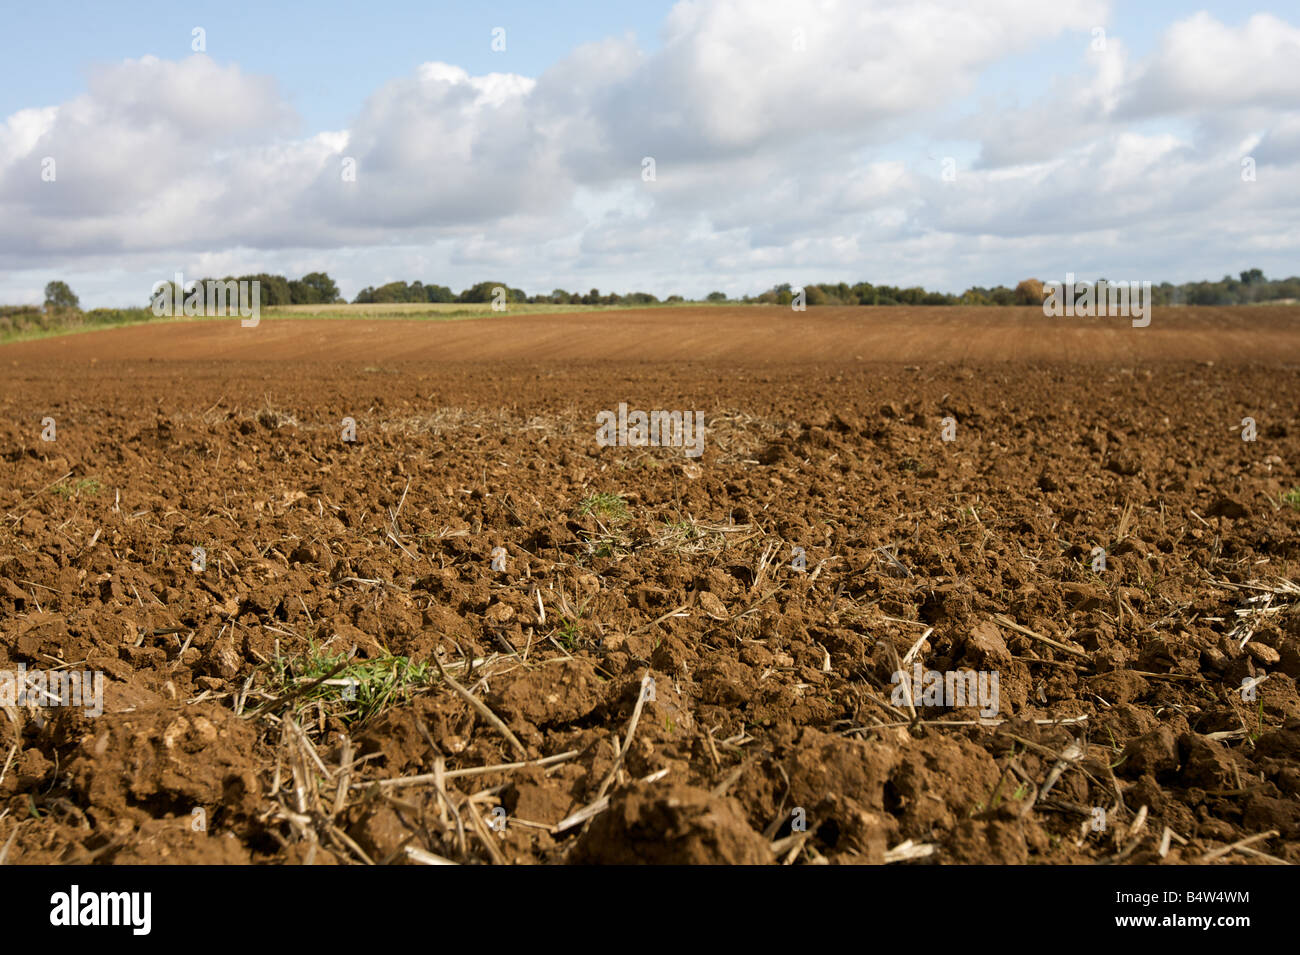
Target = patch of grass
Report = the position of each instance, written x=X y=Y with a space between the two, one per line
x=26 y=324
x=608 y=509
x=77 y=488
x=1292 y=497
x=358 y=692
x=611 y=507
x=569 y=634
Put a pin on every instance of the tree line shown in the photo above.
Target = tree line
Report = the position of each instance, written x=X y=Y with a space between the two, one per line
x=1249 y=288
x=485 y=292
x=314 y=288
x=317 y=288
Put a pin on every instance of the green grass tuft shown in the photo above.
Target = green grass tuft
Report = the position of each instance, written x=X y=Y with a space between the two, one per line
x=375 y=684
x=77 y=488
x=611 y=507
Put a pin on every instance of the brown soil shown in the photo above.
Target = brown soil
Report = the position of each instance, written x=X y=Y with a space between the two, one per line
x=773 y=702
x=748 y=335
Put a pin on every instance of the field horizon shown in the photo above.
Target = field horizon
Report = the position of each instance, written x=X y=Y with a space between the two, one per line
x=754 y=333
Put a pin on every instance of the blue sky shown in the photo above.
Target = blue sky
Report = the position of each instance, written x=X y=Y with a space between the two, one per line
x=327 y=56
x=341 y=51
x=524 y=165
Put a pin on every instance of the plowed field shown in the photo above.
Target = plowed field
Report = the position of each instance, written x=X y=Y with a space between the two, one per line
x=476 y=633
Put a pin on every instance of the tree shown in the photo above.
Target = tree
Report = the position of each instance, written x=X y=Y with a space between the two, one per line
x=1252 y=276
x=840 y=294
x=59 y=295
x=486 y=292
x=1029 y=292
x=273 y=289
x=324 y=287
x=716 y=297
x=778 y=295
x=392 y=292
x=303 y=294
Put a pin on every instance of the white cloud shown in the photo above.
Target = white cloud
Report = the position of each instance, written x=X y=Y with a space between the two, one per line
x=783 y=133
x=1203 y=64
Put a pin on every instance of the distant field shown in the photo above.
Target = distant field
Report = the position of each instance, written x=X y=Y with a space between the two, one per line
x=443 y=311
x=28 y=323
x=1201 y=329
x=738 y=333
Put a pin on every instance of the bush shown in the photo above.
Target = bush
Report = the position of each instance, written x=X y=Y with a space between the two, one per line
x=1029 y=292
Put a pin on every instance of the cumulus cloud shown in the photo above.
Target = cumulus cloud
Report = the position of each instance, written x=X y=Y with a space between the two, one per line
x=1203 y=64
x=784 y=134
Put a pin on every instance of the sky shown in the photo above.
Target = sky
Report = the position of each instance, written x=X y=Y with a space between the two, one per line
x=652 y=146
